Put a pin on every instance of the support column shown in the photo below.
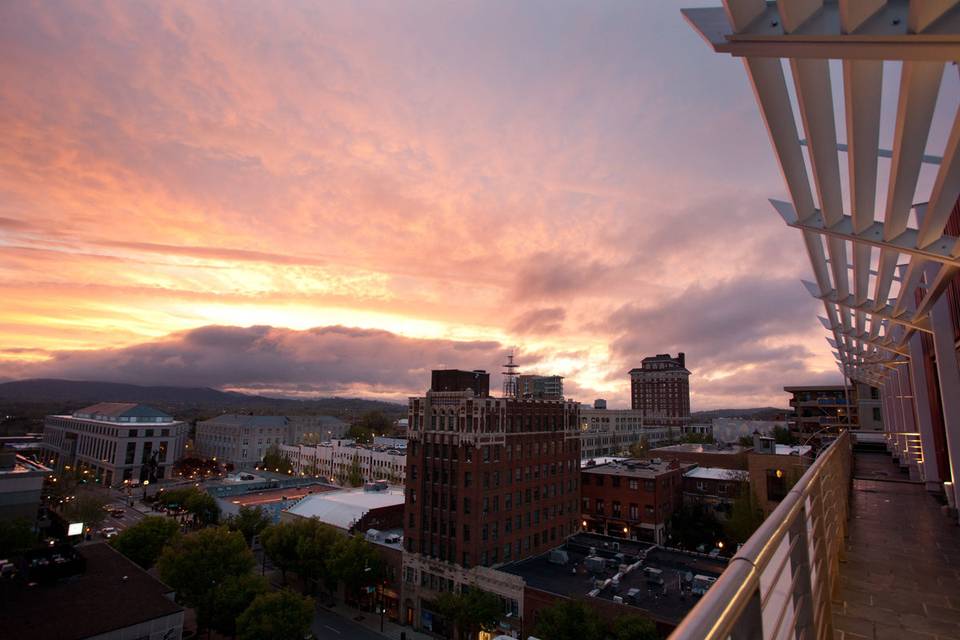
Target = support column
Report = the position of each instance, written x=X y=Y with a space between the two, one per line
x=949 y=374
x=890 y=419
x=921 y=399
x=908 y=409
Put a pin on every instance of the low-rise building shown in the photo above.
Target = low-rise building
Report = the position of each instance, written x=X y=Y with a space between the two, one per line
x=732 y=429
x=115 y=442
x=632 y=499
x=21 y=485
x=775 y=468
x=90 y=592
x=374 y=506
x=827 y=408
x=240 y=441
x=337 y=460
x=617 y=578
x=715 y=488
x=606 y=432
x=722 y=455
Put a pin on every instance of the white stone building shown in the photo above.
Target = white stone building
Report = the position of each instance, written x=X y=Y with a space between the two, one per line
x=605 y=432
x=115 y=442
x=334 y=460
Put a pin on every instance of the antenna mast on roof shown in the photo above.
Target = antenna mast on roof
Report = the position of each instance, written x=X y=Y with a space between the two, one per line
x=510 y=377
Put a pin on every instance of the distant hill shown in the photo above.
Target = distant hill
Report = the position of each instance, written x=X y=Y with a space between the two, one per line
x=51 y=395
x=761 y=413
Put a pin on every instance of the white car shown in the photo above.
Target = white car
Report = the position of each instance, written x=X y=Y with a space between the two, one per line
x=109 y=532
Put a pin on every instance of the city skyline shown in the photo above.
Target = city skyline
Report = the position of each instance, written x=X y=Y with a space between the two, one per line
x=323 y=200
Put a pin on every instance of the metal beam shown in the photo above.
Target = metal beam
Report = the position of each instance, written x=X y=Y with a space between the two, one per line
x=870 y=307
x=906 y=242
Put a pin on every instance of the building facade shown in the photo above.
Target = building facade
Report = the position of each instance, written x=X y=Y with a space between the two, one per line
x=607 y=432
x=715 y=488
x=115 y=442
x=241 y=441
x=338 y=459
x=632 y=499
x=489 y=481
x=21 y=485
x=724 y=456
x=660 y=390
x=533 y=386
x=828 y=408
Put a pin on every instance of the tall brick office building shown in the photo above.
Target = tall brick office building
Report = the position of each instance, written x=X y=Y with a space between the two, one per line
x=489 y=481
x=660 y=388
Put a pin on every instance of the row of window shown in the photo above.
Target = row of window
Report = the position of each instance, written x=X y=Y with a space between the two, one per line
x=492 y=555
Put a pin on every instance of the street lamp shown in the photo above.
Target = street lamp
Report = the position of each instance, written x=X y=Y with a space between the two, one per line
x=145 y=483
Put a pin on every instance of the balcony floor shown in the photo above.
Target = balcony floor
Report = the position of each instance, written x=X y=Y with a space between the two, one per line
x=901 y=575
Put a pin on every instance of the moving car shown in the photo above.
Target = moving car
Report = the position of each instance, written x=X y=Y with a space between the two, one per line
x=109 y=532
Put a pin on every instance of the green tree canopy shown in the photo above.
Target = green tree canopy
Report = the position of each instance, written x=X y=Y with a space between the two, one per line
x=274 y=460
x=694 y=524
x=204 y=508
x=280 y=544
x=356 y=563
x=315 y=552
x=634 y=627
x=782 y=435
x=144 y=541
x=196 y=564
x=470 y=611
x=745 y=516
x=281 y=615
x=232 y=598
x=16 y=536
x=250 y=522
x=569 y=620
x=86 y=508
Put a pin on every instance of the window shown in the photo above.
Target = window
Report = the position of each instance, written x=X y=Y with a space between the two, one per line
x=633 y=484
x=600 y=505
x=616 y=509
x=467 y=477
x=776 y=485
x=616 y=481
x=876 y=414
x=634 y=512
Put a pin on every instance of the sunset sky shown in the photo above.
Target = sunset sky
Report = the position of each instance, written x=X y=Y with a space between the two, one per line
x=306 y=198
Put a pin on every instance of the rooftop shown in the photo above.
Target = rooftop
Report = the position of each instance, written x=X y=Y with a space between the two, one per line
x=690 y=447
x=713 y=473
x=572 y=579
x=113 y=593
x=22 y=465
x=635 y=468
x=792 y=450
x=240 y=420
x=824 y=387
x=345 y=508
x=122 y=411
x=255 y=498
x=593 y=462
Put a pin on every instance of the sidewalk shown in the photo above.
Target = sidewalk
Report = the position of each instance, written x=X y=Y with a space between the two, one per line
x=371 y=621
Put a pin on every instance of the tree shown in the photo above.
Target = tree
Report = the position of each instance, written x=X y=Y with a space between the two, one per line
x=280 y=544
x=144 y=541
x=204 y=508
x=85 y=508
x=249 y=521
x=782 y=435
x=470 y=611
x=633 y=627
x=199 y=563
x=177 y=498
x=745 y=516
x=315 y=551
x=360 y=433
x=569 y=620
x=745 y=441
x=274 y=460
x=698 y=438
x=640 y=449
x=232 y=598
x=355 y=476
x=16 y=536
x=356 y=563
x=694 y=524
x=281 y=615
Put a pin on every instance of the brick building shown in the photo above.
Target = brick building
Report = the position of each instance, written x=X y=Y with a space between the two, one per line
x=631 y=499
x=715 y=488
x=723 y=456
x=660 y=388
x=489 y=481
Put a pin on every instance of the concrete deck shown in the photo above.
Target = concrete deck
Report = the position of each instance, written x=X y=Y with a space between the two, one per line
x=901 y=575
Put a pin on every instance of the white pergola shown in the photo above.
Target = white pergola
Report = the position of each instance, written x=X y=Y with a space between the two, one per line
x=867 y=264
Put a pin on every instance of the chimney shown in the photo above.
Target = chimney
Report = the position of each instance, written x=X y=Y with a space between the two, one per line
x=682 y=358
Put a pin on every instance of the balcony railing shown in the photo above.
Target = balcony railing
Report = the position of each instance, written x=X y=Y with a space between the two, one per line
x=779 y=583
x=906 y=446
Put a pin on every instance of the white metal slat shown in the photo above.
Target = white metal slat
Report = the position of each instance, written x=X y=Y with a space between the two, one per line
x=946 y=190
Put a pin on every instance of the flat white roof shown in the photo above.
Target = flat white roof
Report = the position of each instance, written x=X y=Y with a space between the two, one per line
x=345 y=508
x=713 y=473
x=599 y=461
x=792 y=450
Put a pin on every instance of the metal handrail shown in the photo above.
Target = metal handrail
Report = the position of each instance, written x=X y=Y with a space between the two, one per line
x=732 y=607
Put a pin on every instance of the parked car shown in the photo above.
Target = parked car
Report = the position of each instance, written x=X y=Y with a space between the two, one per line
x=109 y=532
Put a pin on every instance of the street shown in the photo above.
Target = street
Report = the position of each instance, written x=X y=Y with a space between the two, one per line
x=328 y=625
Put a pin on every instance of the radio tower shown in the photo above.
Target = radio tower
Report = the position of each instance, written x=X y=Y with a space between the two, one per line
x=510 y=377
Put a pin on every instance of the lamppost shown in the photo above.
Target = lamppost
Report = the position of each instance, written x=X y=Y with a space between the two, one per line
x=145 y=483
